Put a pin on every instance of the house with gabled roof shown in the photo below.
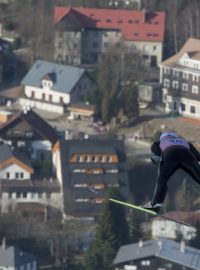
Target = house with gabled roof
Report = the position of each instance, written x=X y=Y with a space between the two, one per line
x=82 y=34
x=157 y=254
x=28 y=141
x=51 y=87
x=87 y=169
x=172 y=230
x=21 y=184
x=180 y=78
x=28 y=130
x=13 y=257
x=13 y=164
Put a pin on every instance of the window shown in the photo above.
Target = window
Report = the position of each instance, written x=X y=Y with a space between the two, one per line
x=146 y=262
x=82 y=200
x=145 y=48
x=34 y=195
x=7 y=175
x=32 y=94
x=175 y=84
x=18 y=195
x=195 y=89
x=185 y=87
x=175 y=106
x=16 y=175
x=166 y=83
x=182 y=105
x=193 y=109
x=29 y=134
x=167 y=71
x=175 y=73
x=61 y=100
x=195 y=78
x=185 y=76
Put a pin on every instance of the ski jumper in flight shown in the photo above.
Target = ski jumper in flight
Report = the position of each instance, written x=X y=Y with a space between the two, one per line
x=171 y=153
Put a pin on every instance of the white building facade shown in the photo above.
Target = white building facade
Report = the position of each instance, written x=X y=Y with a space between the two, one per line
x=180 y=78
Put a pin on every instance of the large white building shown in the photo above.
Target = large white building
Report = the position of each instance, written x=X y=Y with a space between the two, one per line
x=180 y=78
x=51 y=87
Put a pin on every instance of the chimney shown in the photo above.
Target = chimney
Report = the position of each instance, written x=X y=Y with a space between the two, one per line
x=3 y=243
x=160 y=244
x=144 y=14
x=140 y=244
x=182 y=246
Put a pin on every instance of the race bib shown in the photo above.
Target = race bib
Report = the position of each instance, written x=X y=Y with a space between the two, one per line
x=173 y=142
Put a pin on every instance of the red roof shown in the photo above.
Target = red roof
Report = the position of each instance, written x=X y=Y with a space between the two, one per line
x=134 y=25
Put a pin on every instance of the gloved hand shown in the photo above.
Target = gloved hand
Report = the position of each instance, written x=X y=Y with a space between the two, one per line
x=156 y=159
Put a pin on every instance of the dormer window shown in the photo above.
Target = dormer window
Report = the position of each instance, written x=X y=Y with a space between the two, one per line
x=48 y=80
x=47 y=84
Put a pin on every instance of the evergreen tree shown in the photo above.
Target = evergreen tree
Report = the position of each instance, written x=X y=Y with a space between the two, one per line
x=111 y=232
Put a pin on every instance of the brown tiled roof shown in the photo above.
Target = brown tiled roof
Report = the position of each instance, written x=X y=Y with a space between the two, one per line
x=42 y=128
x=191 y=46
x=187 y=216
x=194 y=55
x=12 y=93
x=135 y=25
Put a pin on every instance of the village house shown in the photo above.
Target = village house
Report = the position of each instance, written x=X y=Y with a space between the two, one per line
x=172 y=230
x=82 y=35
x=180 y=78
x=12 y=257
x=52 y=87
x=157 y=255
x=27 y=141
